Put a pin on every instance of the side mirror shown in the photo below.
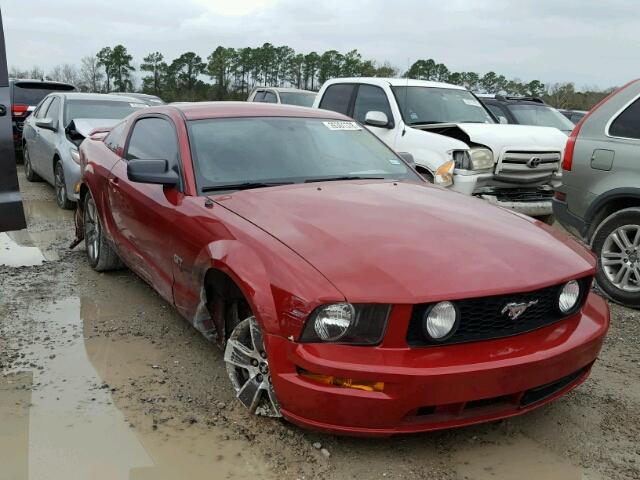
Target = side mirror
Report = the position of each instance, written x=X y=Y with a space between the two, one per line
x=46 y=123
x=407 y=157
x=377 y=119
x=503 y=120
x=152 y=171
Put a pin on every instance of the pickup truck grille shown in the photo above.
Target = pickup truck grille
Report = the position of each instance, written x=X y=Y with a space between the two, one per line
x=517 y=166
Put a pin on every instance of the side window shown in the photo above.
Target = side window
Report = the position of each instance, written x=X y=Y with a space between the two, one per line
x=270 y=97
x=337 y=98
x=153 y=139
x=259 y=96
x=371 y=99
x=42 y=109
x=113 y=140
x=628 y=122
x=53 y=112
x=496 y=110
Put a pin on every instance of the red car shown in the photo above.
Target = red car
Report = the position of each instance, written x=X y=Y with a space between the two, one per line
x=350 y=295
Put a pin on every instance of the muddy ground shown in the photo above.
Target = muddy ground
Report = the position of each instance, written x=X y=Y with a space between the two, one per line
x=101 y=379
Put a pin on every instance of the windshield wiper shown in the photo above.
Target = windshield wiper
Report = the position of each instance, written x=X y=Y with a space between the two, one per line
x=243 y=186
x=345 y=177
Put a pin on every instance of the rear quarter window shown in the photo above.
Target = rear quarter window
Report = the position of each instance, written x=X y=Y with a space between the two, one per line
x=337 y=98
x=31 y=93
x=627 y=124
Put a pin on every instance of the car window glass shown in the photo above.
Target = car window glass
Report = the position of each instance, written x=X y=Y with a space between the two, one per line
x=113 y=140
x=270 y=97
x=259 y=96
x=337 y=98
x=153 y=139
x=371 y=99
x=627 y=124
x=53 y=112
x=42 y=109
x=495 y=109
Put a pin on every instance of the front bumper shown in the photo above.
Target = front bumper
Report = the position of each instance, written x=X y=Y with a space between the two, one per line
x=533 y=209
x=433 y=388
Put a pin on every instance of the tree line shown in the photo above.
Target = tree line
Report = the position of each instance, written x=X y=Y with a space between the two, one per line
x=231 y=73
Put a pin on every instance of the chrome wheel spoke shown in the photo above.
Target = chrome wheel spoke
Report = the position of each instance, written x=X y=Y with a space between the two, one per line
x=256 y=337
x=250 y=394
x=239 y=355
x=622 y=234
x=616 y=238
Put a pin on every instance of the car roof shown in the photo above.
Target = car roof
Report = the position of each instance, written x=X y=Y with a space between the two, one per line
x=396 y=82
x=286 y=89
x=203 y=110
x=96 y=96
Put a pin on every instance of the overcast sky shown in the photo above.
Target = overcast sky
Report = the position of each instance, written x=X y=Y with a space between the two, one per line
x=589 y=42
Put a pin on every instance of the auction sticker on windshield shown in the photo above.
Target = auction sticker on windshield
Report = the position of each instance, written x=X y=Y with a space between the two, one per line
x=338 y=125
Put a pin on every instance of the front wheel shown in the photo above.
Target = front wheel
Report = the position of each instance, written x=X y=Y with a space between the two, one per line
x=248 y=369
x=99 y=253
x=61 y=188
x=617 y=245
x=28 y=168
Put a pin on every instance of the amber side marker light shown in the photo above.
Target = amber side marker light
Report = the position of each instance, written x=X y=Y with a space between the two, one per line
x=342 y=382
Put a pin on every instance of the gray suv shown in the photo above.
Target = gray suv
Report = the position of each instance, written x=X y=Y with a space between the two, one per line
x=600 y=196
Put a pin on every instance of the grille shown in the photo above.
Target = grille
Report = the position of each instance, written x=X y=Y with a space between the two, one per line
x=482 y=318
x=515 y=167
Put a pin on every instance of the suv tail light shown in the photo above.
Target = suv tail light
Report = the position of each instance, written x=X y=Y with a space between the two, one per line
x=567 y=160
x=18 y=110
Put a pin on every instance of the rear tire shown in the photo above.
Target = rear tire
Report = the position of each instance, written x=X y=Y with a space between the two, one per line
x=28 y=168
x=617 y=245
x=99 y=253
x=61 y=188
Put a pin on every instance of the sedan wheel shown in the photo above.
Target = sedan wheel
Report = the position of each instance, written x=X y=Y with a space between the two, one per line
x=61 y=188
x=28 y=168
x=248 y=369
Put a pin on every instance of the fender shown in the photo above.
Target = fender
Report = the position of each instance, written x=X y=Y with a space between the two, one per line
x=276 y=309
x=603 y=199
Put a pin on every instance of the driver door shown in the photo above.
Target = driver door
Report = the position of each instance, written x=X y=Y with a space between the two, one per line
x=144 y=214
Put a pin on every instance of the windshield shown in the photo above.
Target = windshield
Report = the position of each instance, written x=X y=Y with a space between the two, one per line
x=541 y=115
x=102 y=109
x=301 y=99
x=238 y=151
x=425 y=105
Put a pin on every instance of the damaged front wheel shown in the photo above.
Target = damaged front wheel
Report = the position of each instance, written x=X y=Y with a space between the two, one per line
x=248 y=369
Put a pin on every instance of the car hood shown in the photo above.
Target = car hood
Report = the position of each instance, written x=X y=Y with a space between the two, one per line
x=400 y=242
x=84 y=126
x=499 y=137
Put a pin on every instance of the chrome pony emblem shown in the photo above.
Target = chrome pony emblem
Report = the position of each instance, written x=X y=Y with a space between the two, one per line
x=515 y=309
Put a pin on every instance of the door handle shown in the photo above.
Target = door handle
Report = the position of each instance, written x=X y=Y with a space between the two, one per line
x=113 y=180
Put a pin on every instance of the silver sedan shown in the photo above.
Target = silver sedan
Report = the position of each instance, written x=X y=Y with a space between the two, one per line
x=53 y=133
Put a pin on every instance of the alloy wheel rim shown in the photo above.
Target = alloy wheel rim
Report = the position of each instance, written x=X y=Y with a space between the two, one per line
x=92 y=231
x=620 y=258
x=61 y=191
x=248 y=369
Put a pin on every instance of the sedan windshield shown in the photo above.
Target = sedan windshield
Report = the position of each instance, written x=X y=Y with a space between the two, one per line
x=102 y=109
x=301 y=99
x=240 y=153
x=428 y=105
x=542 y=116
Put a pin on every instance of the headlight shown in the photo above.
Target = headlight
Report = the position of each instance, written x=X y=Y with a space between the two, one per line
x=569 y=297
x=440 y=321
x=473 y=159
x=444 y=174
x=75 y=155
x=361 y=324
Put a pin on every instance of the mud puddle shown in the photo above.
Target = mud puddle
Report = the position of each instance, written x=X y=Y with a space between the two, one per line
x=518 y=458
x=63 y=416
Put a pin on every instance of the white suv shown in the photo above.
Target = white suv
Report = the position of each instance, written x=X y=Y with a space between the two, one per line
x=454 y=140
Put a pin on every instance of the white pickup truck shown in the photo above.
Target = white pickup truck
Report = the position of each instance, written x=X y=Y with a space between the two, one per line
x=454 y=140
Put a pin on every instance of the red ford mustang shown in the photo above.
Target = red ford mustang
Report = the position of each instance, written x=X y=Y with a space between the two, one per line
x=350 y=296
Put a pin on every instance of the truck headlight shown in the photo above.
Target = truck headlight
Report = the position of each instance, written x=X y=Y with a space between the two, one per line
x=473 y=159
x=444 y=174
x=360 y=324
